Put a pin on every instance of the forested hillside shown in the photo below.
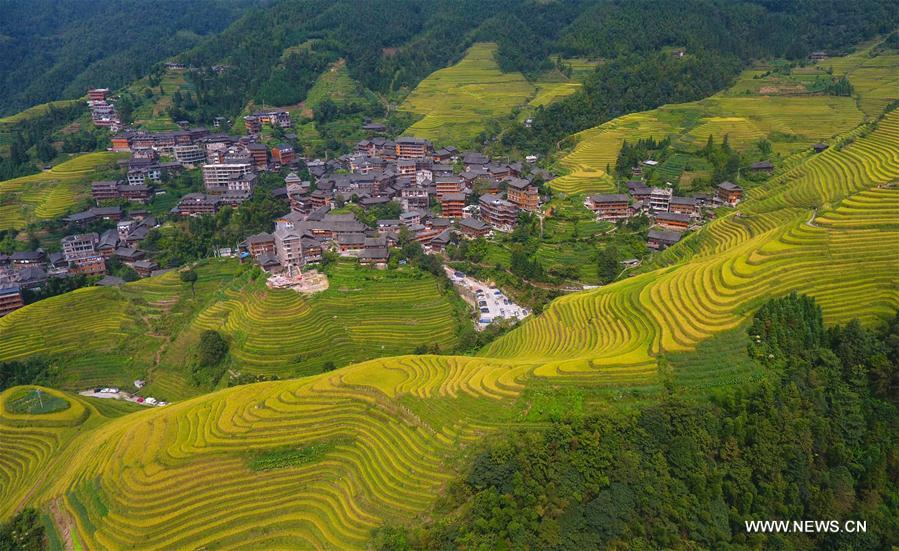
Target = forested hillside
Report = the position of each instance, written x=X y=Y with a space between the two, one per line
x=54 y=49
x=274 y=55
x=718 y=38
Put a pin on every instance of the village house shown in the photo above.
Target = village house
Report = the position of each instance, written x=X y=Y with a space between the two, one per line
x=661 y=239
x=475 y=162
x=10 y=299
x=219 y=178
x=728 y=192
x=259 y=154
x=498 y=212
x=95 y=213
x=673 y=221
x=190 y=154
x=283 y=155
x=108 y=243
x=412 y=148
x=374 y=252
x=79 y=246
x=259 y=244
x=414 y=197
x=104 y=190
x=472 y=228
x=196 y=204
x=762 y=166
x=451 y=205
x=25 y=259
x=440 y=241
x=98 y=94
x=128 y=255
x=448 y=184
x=145 y=268
x=80 y=252
x=523 y=194
x=276 y=118
x=684 y=205
x=659 y=199
x=350 y=244
x=819 y=147
x=610 y=207
x=374 y=127
x=639 y=190
x=288 y=247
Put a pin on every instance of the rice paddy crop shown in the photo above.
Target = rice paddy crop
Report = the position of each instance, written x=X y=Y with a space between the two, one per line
x=150 y=327
x=457 y=101
x=51 y=193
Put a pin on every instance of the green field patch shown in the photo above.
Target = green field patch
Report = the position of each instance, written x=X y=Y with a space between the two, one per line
x=292 y=456
x=32 y=401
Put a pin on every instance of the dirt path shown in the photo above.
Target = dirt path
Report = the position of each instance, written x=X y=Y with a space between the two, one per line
x=811 y=221
x=63 y=522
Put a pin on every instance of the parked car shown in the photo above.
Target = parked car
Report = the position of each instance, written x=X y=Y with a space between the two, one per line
x=485 y=310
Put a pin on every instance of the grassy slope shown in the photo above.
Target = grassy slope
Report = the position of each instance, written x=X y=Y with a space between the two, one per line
x=52 y=193
x=392 y=428
x=148 y=329
x=791 y=123
x=37 y=110
x=152 y=114
x=457 y=101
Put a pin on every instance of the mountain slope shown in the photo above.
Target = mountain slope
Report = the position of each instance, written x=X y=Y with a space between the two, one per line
x=58 y=49
x=320 y=461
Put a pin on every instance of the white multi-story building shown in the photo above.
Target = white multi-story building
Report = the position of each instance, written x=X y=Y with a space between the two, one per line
x=217 y=177
x=288 y=247
x=660 y=199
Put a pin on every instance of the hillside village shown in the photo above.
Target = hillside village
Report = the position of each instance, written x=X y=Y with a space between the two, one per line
x=292 y=274
x=435 y=196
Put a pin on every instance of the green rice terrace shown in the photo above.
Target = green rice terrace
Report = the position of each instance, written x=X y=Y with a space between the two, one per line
x=320 y=461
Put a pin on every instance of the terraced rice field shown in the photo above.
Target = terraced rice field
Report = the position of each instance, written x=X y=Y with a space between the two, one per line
x=148 y=329
x=875 y=79
x=597 y=149
x=363 y=314
x=390 y=429
x=791 y=124
x=457 y=101
x=52 y=193
x=335 y=84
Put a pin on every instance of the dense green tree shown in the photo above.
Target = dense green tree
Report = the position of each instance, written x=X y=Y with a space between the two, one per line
x=212 y=349
x=608 y=264
x=23 y=532
x=189 y=276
